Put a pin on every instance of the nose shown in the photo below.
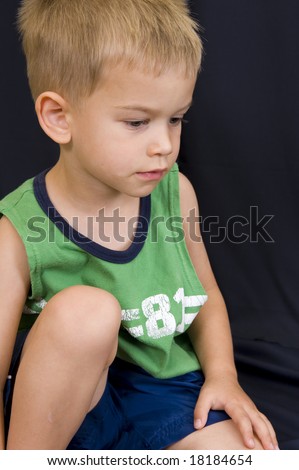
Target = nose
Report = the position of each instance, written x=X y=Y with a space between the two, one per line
x=160 y=143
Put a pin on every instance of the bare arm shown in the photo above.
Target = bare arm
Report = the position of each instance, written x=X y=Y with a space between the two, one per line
x=14 y=285
x=211 y=338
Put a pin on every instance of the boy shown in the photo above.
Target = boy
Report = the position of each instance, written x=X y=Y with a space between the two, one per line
x=112 y=81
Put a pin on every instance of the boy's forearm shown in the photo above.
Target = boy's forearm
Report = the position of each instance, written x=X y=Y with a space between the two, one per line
x=211 y=337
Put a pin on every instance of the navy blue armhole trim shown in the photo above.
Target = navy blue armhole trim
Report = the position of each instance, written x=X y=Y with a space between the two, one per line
x=85 y=243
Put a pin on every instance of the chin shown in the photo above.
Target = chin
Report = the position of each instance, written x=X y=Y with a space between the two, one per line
x=142 y=191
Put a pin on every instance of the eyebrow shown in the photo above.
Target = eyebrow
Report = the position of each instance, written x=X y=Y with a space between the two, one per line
x=149 y=110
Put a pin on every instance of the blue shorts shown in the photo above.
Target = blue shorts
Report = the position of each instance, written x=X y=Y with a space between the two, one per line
x=136 y=411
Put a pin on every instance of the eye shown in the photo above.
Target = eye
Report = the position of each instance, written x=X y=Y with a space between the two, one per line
x=176 y=121
x=136 y=124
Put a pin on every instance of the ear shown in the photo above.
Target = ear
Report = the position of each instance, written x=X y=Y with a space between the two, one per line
x=52 y=113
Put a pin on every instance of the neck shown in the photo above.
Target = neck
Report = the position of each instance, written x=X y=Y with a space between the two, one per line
x=68 y=187
x=76 y=200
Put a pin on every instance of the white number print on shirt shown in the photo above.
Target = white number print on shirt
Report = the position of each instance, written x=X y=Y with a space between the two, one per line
x=157 y=318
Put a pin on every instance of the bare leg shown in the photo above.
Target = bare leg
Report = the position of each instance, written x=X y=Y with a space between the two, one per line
x=219 y=436
x=63 y=370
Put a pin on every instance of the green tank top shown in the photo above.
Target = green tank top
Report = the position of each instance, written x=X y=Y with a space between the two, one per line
x=153 y=280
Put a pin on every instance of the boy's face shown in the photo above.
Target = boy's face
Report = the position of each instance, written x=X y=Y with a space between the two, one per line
x=126 y=136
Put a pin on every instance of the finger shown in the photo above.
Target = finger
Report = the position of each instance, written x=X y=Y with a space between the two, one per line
x=246 y=429
x=201 y=411
x=264 y=430
x=244 y=424
x=254 y=423
x=272 y=431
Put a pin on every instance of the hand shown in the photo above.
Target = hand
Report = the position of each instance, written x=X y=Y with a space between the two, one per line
x=220 y=393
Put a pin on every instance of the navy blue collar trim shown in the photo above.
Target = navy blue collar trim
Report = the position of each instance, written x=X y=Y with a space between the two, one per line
x=85 y=243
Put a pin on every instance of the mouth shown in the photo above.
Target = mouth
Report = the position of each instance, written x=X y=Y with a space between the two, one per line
x=154 y=175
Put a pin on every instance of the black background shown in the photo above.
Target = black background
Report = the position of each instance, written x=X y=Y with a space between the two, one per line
x=240 y=150
x=25 y=150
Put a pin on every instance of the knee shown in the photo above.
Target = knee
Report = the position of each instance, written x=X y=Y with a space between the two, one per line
x=86 y=317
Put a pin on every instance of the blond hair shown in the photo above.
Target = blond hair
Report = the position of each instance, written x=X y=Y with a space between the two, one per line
x=68 y=43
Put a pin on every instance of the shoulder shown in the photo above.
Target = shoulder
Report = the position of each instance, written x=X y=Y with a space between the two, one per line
x=188 y=199
x=176 y=193
x=185 y=184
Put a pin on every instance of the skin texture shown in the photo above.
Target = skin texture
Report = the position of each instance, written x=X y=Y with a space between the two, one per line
x=115 y=148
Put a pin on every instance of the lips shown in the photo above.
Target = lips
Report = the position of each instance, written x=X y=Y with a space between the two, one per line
x=154 y=175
